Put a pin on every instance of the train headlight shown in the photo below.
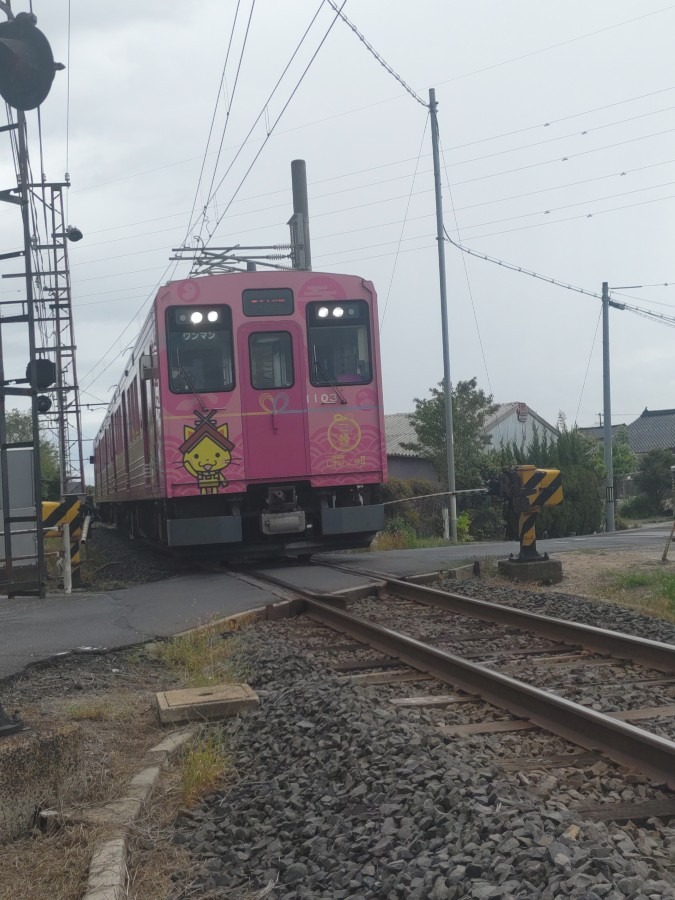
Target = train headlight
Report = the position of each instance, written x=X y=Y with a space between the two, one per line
x=212 y=315
x=196 y=317
x=323 y=312
x=338 y=312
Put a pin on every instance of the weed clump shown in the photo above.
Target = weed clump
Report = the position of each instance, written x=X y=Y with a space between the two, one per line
x=203 y=657
x=204 y=765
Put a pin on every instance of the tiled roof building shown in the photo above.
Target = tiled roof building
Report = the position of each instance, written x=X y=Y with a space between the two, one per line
x=653 y=430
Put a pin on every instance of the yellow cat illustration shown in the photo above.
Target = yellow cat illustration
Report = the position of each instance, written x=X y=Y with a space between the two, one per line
x=206 y=452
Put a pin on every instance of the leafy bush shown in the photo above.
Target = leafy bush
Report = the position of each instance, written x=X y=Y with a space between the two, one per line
x=581 y=511
x=463 y=526
x=637 y=507
x=653 y=479
x=424 y=516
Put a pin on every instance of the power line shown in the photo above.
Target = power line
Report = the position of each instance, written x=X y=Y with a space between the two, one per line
x=468 y=280
x=405 y=217
x=213 y=117
x=545 y=124
x=588 y=365
x=299 y=82
x=373 y=51
x=227 y=115
x=556 y=187
x=580 y=37
x=267 y=102
x=278 y=118
x=641 y=311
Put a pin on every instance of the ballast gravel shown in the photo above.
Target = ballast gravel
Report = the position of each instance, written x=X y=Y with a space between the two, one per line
x=341 y=796
x=602 y=614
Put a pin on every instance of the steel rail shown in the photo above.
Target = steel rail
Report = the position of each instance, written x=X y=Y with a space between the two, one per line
x=650 y=754
x=654 y=654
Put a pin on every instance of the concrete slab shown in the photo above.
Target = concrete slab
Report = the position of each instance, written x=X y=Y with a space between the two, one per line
x=219 y=701
x=320 y=578
x=549 y=571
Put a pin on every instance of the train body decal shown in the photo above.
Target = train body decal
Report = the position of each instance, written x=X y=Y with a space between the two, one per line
x=206 y=451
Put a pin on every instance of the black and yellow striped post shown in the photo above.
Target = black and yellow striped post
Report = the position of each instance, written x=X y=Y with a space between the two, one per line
x=58 y=512
x=534 y=489
x=68 y=511
x=75 y=539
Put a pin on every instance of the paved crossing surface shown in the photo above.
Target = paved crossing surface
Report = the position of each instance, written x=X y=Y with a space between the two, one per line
x=32 y=630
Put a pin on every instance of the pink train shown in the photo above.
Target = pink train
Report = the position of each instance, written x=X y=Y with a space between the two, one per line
x=250 y=417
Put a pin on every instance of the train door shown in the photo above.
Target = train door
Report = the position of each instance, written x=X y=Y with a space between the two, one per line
x=273 y=400
x=149 y=425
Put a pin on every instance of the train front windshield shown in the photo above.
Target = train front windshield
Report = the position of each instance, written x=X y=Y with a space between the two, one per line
x=201 y=357
x=339 y=343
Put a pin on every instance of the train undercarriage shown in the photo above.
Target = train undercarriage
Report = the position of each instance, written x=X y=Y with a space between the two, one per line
x=268 y=520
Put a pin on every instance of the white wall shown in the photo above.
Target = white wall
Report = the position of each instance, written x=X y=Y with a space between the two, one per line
x=512 y=429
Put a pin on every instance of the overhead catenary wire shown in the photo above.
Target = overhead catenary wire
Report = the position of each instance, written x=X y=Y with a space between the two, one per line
x=227 y=114
x=265 y=106
x=241 y=183
x=213 y=118
x=276 y=121
x=373 y=52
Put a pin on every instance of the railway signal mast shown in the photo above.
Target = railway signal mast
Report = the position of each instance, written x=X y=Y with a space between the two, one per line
x=27 y=71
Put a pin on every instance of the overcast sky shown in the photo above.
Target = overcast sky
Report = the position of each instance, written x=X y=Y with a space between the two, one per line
x=558 y=128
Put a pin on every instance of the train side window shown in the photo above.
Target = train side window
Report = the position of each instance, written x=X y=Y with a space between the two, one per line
x=201 y=356
x=339 y=343
x=271 y=358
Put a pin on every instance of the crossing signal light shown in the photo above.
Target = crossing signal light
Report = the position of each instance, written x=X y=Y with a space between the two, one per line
x=26 y=63
x=41 y=374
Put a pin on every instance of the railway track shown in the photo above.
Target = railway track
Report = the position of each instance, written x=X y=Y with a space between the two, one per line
x=488 y=672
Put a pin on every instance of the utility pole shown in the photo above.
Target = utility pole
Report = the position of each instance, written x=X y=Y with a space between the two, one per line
x=607 y=405
x=440 y=238
x=299 y=222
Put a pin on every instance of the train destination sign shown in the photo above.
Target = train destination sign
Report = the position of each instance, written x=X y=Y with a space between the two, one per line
x=268 y=302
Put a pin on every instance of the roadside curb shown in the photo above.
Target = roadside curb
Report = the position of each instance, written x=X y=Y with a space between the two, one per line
x=108 y=868
x=108 y=874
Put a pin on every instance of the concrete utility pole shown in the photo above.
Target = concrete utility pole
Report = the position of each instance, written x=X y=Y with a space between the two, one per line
x=300 y=221
x=440 y=237
x=607 y=404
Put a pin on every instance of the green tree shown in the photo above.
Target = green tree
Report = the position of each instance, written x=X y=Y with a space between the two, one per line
x=20 y=428
x=653 y=478
x=623 y=458
x=471 y=407
x=581 y=466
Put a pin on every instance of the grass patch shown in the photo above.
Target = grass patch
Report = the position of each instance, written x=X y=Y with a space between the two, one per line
x=204 y=765
x=203 y=657
x=401 y=540
x=99 y=710
x=650 y=590
x=659 y=581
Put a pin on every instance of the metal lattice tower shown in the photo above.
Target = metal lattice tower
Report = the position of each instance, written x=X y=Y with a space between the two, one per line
x=55 y=322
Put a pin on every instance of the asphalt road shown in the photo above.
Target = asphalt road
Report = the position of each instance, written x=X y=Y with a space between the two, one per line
x=429 y=559
x=33 y=629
